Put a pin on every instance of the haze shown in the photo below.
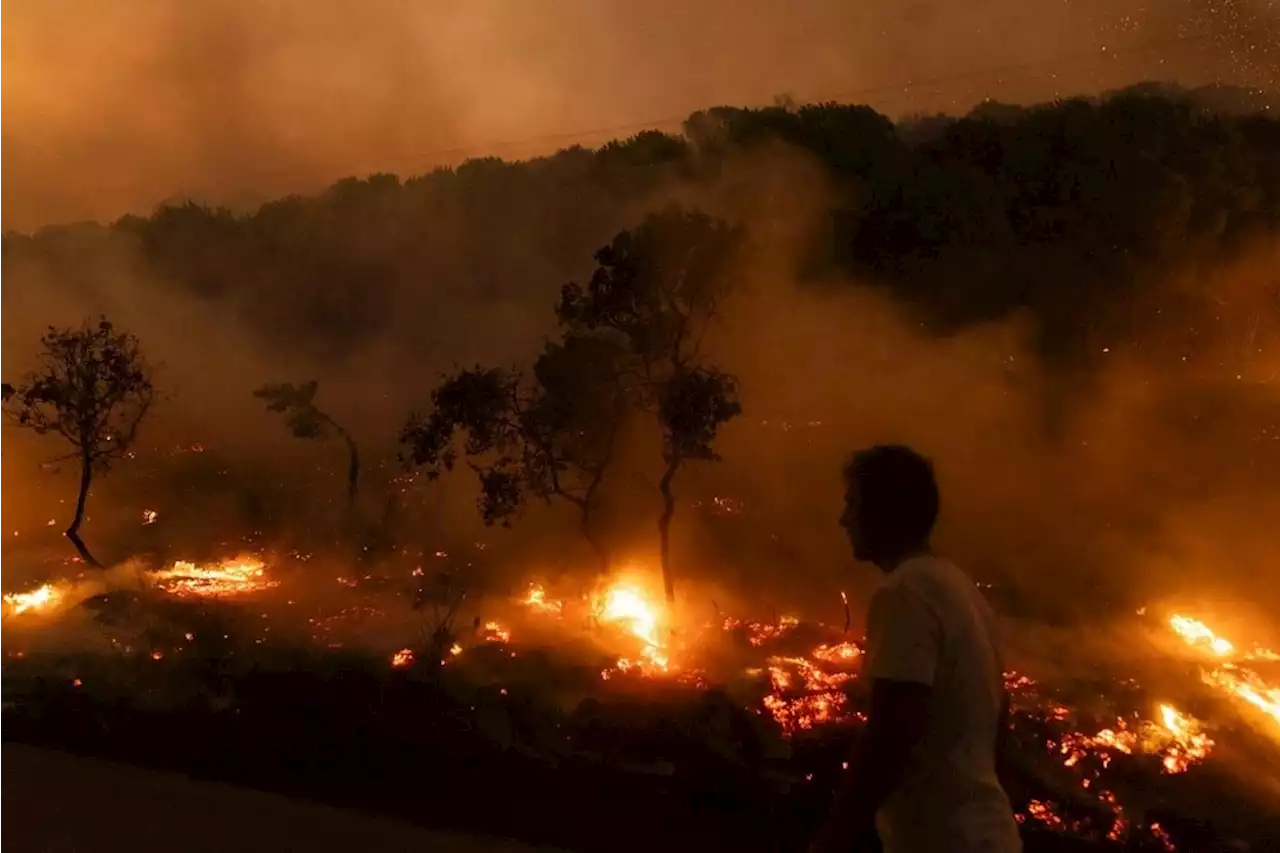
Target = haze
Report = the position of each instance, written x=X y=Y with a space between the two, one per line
x=114 y=107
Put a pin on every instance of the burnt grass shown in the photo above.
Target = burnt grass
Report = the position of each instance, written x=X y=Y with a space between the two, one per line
x=548 y=759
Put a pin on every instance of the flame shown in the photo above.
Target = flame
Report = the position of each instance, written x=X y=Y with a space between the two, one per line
x=495 y=633
x=537 y=599
x=1189 y=743
x=1196 y=633
x=804 y=695
x=231 y=577
x=1177 y=738
x=625 y=605
x=39 y=599
x=1240 y=682
x=404 y=657
x=837 y=653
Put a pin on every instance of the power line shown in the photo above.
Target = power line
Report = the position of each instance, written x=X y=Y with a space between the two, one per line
x=1064 y=59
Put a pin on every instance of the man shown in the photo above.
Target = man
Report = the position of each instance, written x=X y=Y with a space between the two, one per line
x=924 y=776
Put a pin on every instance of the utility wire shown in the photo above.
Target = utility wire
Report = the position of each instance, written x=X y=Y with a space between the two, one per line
x=1076 y=58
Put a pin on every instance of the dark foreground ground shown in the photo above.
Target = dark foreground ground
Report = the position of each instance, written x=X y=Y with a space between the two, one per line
x=55 y=802
x=419 y=768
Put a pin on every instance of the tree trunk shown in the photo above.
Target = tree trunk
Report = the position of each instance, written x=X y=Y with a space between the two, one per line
x=73 y=532
x=595 y=540
x=353 y=468
x=664 y=528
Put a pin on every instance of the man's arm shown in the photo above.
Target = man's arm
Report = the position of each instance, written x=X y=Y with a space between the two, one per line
x=898 y=720
x=902 y=653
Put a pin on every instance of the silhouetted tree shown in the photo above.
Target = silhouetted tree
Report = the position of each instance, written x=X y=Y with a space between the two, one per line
x=552 y=437
x=93 y=388
x=304 y=420
x=656 y=292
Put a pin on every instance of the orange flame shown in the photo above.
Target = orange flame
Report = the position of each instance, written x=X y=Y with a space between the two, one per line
x=39 y=599
x=1242 y=683
x=236 y=576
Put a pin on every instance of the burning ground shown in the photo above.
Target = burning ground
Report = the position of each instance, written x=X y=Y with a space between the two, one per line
x=604 y=676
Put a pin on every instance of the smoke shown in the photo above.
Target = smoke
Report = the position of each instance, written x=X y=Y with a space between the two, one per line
x=112 y=108
x=1145 y=484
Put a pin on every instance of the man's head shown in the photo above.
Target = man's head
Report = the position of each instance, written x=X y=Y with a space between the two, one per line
x=890 y=504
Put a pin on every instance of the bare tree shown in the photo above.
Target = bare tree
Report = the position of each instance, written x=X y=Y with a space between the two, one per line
x=93 y=388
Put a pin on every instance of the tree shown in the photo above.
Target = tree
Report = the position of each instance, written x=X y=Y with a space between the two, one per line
x=656 y=292
x=551 y=437
x=304 y=420
x=93 y=388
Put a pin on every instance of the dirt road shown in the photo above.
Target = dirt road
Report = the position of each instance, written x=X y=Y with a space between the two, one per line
x=54 y=802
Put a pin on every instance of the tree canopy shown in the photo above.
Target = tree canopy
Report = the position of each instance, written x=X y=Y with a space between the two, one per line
x=92 y=389
x=1063 y=211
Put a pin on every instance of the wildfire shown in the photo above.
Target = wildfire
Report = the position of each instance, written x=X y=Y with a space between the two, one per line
x=804 y=695
x=1240 y=682
x=537 y=599
x=39 y=599
x=759 y=633
x=1177 y=738
x=1196 y=633
x=402 y=658
x=626 y=606
x=229 y=578
x=1188 y=742
x=837 y=653
x=495 y=633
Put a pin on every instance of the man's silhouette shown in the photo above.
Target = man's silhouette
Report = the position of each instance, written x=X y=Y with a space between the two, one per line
x=924 y=775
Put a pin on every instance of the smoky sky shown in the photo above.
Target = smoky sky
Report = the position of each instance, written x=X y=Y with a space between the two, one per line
x=114 y=107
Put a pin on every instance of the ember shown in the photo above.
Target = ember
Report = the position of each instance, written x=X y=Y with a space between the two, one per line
x=38 y=600
x=402 y=658
x=804 y=695
x=231 y=577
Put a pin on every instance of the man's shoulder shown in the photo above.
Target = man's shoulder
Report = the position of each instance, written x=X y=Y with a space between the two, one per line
x=927 y=570
x=937 y=580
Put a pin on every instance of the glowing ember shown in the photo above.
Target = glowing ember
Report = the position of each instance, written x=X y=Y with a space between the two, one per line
x=39 y=599
x=804 y=712
x=148 y=516
x=402 y=658
x=1043 y=812
x=837 y=653
x=1177 y=738
x=804 y=695
x=1163 y=837
x=759 y=633
x=231 y=577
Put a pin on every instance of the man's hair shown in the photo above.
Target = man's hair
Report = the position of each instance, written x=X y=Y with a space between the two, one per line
x=896 y=490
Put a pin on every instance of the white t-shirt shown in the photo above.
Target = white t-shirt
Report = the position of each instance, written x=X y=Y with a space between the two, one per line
x=929 y=624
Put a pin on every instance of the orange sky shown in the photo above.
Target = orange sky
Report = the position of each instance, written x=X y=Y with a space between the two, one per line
x=113 y=107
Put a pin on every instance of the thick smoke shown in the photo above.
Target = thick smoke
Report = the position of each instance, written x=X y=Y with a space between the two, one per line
x=1139 y=486
x=111 y=108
